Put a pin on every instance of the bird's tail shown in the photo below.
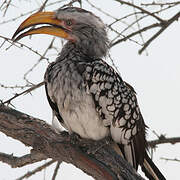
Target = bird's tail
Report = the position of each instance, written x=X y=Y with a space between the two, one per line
x=150 y=169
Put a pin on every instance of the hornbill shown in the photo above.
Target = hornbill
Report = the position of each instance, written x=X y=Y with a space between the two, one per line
x=87 y=95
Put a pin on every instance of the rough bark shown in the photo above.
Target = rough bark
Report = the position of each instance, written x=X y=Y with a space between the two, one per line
x=104 y=163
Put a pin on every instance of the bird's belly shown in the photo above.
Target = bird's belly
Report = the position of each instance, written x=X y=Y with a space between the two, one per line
x=76 y=106
x=80 y=116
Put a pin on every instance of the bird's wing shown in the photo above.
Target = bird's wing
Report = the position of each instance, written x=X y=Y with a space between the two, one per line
x=54 y=106
x=116 y=103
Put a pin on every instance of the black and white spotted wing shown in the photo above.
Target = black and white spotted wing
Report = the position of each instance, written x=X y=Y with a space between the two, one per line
x=115 y=100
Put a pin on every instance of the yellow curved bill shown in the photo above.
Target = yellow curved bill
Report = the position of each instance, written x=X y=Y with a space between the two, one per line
x=41 y=18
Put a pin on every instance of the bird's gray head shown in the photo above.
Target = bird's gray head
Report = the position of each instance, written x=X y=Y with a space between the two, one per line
x=77 y=25
x=86 y=29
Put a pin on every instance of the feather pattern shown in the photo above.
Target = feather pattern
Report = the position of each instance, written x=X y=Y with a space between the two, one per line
x=93 y=100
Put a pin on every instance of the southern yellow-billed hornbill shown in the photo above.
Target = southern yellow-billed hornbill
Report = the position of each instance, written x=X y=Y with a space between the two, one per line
x=86 y=94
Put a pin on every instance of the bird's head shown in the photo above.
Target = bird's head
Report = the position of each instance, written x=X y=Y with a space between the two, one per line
x=77 y=25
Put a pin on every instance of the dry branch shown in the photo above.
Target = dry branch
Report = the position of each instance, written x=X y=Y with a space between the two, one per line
x=141 y=9
x=20 y=46
x=24 y=92
x=135 y=33
x=164 y=140
x=168 y=159
x=40 y=168
x=164 y=25
x=56 y=170
x=160 y=3
x=15 y=162
x=103 y=164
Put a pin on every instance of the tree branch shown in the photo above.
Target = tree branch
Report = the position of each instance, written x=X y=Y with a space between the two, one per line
x=21 y=45
x=160 y=4
x=103 y=164
x=56 y=170
x=15 y=162
x=40 y=168
x=24 y=92
x=135 y=33
x=141 y=9
x=168 y=159
x=164 y=140
x=164 y=25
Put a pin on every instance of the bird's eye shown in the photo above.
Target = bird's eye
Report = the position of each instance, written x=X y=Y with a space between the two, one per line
x=69 y=22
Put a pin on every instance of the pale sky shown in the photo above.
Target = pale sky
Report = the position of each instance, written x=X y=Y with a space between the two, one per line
x=155 y=78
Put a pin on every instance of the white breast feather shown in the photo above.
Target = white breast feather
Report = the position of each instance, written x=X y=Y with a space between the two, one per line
x=78 y=111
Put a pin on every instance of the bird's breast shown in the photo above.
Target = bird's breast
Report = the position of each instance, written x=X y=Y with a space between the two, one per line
x=67 y=89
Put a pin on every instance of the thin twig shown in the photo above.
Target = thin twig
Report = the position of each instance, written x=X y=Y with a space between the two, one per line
x=135 y=33
x=39 y=60
x=30 y=12
x=141 y=9
x=118 y=35
x=15 y=86
x=21 y=45
x=138 y=24
x=3 y=4
x=56 y=170
x=113 y=64
x=124 y=17
x=71 y=3
x=160 y=4
x=164 y=140
x=99 y=9
x=155 y=12
x=24 y=92
x=40 y=168
x=168 y=159
x=43 y=6
x=7 y=6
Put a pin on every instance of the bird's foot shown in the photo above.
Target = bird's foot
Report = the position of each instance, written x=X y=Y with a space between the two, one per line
x=64 y=133
x=74 y=138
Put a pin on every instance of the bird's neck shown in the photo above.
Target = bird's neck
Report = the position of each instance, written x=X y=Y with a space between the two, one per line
x=97 y=51
x=93 y=47
x=69 y=51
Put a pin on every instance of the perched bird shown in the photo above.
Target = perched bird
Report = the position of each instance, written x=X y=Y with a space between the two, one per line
x=87 y=95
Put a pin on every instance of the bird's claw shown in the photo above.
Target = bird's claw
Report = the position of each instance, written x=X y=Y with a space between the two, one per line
x=64 y=133
x=74 y=138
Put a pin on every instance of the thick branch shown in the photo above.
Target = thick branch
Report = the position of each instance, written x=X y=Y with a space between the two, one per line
x=104 y=164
